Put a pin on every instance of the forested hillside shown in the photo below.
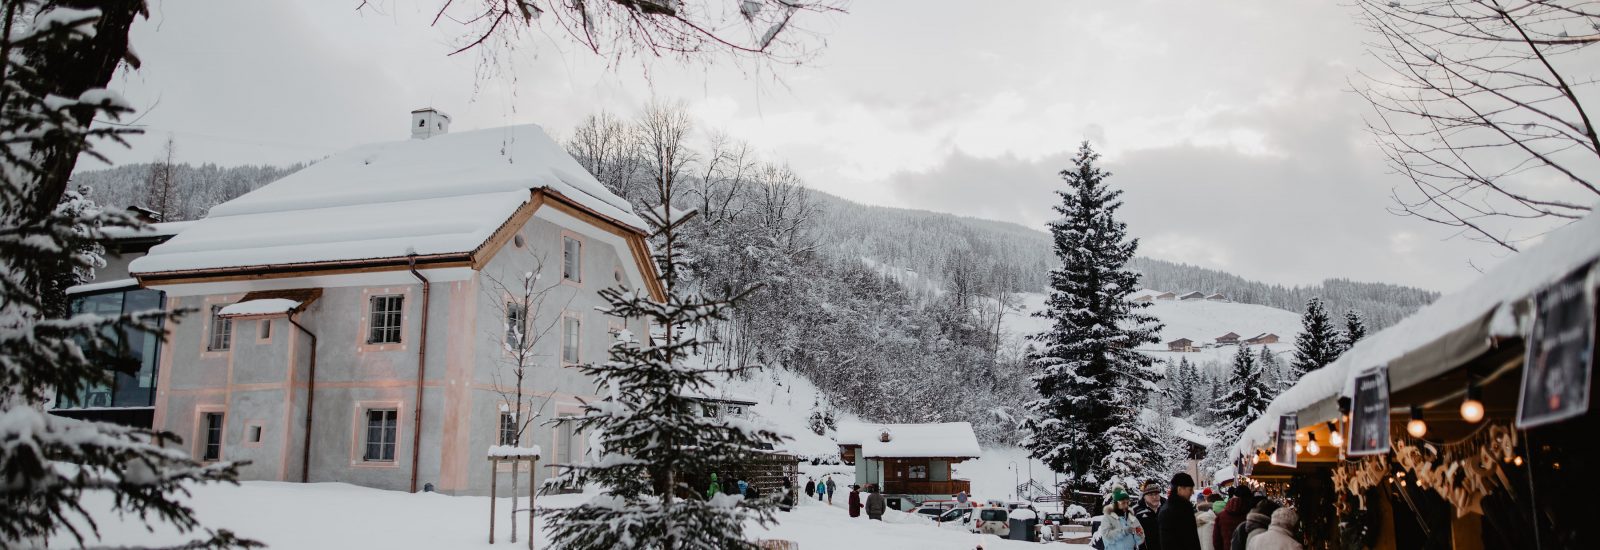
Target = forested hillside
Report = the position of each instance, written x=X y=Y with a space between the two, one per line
x=188 y=190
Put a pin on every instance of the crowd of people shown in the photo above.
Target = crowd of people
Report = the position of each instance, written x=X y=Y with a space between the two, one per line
x=1181 y=519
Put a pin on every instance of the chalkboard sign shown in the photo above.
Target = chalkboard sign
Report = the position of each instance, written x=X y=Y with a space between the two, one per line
x=1560 y=360
x=1369 y=413
x=1284 y=455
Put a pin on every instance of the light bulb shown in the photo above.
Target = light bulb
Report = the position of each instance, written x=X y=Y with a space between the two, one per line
x=1517 y=460
x=1417 y=427
x=1335 y=439
x=1297 y=448
x=1312 y=446
x=1257 y=459
x=1471 y=406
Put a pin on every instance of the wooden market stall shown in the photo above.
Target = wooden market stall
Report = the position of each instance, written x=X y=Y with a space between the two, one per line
x=1465 y=426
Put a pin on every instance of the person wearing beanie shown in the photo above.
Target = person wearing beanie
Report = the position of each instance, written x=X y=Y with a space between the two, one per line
x=1256 y=523
x=1281 y=534
x=1203 y=519
x=1118 y=531
x=1147 y=510
x=1230 y=517
x=1178 y=529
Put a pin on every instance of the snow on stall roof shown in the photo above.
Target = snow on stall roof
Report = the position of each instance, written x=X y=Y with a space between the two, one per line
x=1223 y=474
x=266 y=306
x=946 y=439
x=1518 y=277
x=507 y=451
x=107 y=285
x=446 y=194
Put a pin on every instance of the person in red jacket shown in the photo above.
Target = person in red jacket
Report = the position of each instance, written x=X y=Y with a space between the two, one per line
x=855 y=501
x=1232 y=515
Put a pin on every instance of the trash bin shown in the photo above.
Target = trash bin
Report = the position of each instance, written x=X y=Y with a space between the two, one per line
x=1023 y=525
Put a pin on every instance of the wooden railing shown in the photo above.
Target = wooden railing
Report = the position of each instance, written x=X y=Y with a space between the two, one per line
x=921 y=487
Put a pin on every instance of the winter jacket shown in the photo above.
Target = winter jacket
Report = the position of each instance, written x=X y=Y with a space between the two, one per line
x=1255 y=523
x=1280 y=536
x=1152 y=526
x=832 y=487
x=751 y=492
x=1203 y=520
x=1178 y=531
x=1232 y=515
x=811 y=487
x=714 y=488
x=875 y=505
x=1116 y=530
x=855 y=504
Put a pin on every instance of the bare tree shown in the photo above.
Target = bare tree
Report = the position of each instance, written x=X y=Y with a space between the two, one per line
x=519 y=302
x=161 y=185
x=664 y=130
x=688 y=30
x=609 y=148
x=1485 y=110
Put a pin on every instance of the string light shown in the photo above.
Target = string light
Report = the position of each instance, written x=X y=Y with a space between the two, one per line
x=1333 y=434
x=1517 y=460
x=1297 y=448
x=1472 y=405
x=1312 y=446
x=1417 y=427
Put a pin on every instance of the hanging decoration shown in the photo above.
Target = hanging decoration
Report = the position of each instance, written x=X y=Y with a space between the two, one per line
x=1461 y=472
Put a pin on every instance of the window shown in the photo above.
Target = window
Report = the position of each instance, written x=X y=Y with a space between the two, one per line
x=516 y=324
x=568 y=443
x=735 y=410
x=919 y=472
x=508 y=428
x=213 y=439
x=384 y=327
x=422 y=123
x=380 y=435
x=569 y=339
x=571 y=259
x=266 y=330
x=709 y=410
x=254 y=434
x=221 y=331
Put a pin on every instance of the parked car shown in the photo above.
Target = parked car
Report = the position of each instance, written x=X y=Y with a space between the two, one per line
x=957 y=516
x=1051 y=524
x=992 y=521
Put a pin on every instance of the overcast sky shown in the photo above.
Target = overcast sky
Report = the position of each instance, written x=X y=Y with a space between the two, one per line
x=1229 y=124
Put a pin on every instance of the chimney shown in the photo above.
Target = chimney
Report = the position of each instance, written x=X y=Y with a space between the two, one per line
x=428 y=122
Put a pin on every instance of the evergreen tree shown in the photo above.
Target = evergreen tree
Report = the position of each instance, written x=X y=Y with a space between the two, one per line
x=57 y=62
x=1355 y=328
x=1088 y=374
x=1246 y=398
x=649 y=433
x=1186 y=387
x=1318 y=343
x=1272 y=376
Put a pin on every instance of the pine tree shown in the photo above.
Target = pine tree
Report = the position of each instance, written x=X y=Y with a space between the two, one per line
x=1089 y=375
x=57 y=62
x=1355 y=328
x=650 y=433
x=1186 y=387
x=1318 y=342
x=1272 y=376
x=1247 y=397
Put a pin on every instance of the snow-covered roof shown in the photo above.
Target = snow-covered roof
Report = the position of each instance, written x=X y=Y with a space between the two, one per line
x=944 y=440
x=163 y=229
x=1223 y=474
x=1440 y=336
x=269 y=306
x=443 y=195
x=1144 y=293
x=1187 y=431
x=507 y=451
x=105 y=285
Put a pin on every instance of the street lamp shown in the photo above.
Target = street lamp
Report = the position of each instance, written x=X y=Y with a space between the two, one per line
x=1014 y=481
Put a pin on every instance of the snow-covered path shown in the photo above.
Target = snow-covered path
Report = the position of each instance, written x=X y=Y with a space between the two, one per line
x=341 y=516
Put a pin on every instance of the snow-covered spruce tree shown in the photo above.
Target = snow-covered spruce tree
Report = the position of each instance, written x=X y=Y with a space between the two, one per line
x=1186 y=387
x=1272 y=376
x=1318 y=343
x=1355 y=328
x=1088 y=374
x=1247 y=397
x=56 y=61
x=650 y=432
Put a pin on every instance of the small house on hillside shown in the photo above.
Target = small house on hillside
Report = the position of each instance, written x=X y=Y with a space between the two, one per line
x=1217 y=297
x=1181 y=344
x=1143 y=295
x=1197 y=295
x=909 y=460
x=1229 y=339
x=1166 y=296
x=1263 y=338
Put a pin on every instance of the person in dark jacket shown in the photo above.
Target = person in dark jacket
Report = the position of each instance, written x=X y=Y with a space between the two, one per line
x=1257 y=521
x=855 y=501
x=811 y=487
x=1178 y=529
x=1146 y=511
x=875 y=503
x=1233 y=514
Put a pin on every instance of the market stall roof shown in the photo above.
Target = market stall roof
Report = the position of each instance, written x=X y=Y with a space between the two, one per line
x=1439 y=337
x=941 y=440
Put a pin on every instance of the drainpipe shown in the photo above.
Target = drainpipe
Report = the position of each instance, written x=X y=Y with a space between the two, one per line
x=422 y=370
x=311 y=394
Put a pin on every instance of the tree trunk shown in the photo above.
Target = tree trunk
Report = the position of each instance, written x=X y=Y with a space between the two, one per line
x=72 y=72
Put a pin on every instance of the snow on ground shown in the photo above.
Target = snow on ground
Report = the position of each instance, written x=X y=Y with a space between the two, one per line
x=341 y=516
x=992 y=477
x=1199 y=320
x=784 y=402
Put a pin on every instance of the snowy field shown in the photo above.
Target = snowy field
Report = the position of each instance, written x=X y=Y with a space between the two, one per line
x=341 y=516
x=1199 y=320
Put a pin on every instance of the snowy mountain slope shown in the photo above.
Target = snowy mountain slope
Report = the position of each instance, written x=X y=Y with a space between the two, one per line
x=1198 y=320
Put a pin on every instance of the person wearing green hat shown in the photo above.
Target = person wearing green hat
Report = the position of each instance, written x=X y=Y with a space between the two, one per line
x=1119 y=530
x=714 y=488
